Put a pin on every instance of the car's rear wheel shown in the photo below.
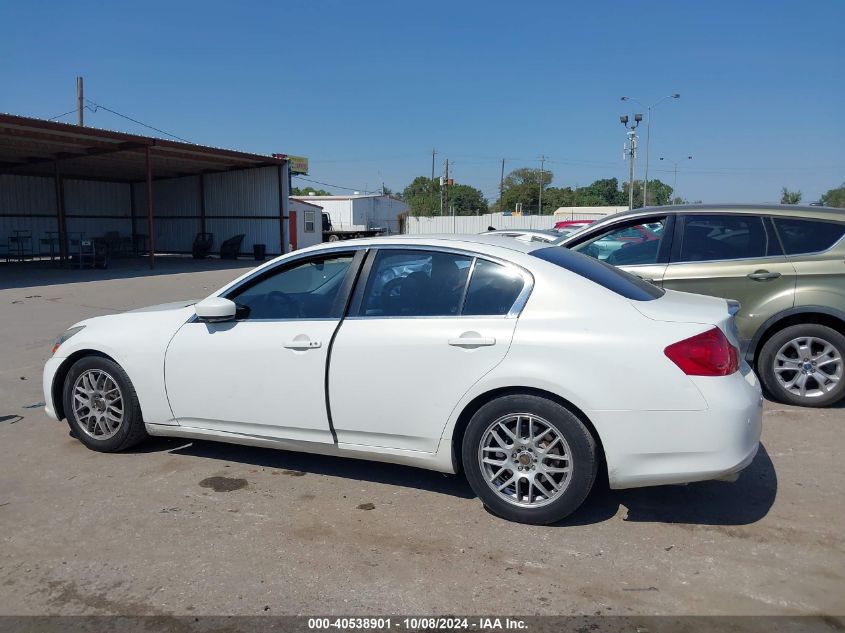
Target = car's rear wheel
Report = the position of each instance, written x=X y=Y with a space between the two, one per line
x=529 y=459
x=803 y=365
x=101 y=405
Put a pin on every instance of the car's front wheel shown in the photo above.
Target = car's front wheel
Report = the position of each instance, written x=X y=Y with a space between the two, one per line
x=529 y=459
x=101 y=406
x=803 y=365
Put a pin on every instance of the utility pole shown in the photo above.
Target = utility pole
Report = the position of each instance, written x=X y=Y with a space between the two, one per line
x=446 y=188
x=502 y=188
x=80 y=103
x=540 y=205
x=433 y=152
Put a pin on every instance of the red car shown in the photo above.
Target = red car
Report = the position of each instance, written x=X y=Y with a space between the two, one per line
x=572 y=225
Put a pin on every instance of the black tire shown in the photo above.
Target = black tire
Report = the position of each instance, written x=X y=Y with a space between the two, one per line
x=131 y=430
x=581 y=444
x=767 y=363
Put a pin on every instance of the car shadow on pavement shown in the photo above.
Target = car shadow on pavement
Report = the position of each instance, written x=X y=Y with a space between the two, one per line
x=742 y=502
x=706 y=503
x=348 y=468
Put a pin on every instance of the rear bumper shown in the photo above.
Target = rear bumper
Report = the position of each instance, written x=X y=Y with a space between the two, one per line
x=652 y=448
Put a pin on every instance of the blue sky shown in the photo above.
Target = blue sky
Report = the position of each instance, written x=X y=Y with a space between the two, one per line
x=367 y=89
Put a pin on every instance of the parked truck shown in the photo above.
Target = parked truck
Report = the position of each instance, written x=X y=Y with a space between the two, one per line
x=330 y=234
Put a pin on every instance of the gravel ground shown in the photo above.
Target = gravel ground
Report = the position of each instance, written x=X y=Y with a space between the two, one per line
x=190 y=528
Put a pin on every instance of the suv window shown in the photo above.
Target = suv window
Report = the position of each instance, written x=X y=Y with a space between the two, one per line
x=808 y=236
x=305 y=290
x=629 y=245
x=493 y=289
x=723 y=236
x=411 y=283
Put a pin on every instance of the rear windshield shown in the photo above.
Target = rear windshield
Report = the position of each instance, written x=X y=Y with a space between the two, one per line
x=614 y=279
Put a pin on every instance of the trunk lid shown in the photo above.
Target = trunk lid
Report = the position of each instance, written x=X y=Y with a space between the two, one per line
x=685 y=307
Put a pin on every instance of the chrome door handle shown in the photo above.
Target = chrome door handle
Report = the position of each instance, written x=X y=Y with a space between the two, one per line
x=763 y=275
x=472 y=341
x=302 y=344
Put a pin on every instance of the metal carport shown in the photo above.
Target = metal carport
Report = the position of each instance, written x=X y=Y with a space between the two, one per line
x=59 y=178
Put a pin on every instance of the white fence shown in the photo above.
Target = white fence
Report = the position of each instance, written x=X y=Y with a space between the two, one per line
x=481 y=223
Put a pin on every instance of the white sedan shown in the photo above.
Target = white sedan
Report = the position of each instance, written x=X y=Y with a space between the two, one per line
x=526 y=366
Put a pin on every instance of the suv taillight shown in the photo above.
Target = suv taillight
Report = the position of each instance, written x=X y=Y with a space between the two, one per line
x=706 y=354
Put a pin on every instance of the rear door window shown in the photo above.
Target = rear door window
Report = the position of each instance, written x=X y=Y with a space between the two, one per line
x=413 y=283
x=807 y=236
x=493 y=289
x=720 y=237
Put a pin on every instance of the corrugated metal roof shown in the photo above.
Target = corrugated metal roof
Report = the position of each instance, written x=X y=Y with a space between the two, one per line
x=35 y=146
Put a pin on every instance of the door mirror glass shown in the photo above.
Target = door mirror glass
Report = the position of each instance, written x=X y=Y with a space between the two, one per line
x=215 y=309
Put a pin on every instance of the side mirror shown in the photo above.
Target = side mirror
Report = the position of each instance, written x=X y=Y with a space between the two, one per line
x=215 y=309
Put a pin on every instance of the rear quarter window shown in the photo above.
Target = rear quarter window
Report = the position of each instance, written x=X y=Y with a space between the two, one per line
x=614 y=279
x=807 y=236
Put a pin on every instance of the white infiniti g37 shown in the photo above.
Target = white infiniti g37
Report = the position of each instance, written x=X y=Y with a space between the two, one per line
x=526 y=366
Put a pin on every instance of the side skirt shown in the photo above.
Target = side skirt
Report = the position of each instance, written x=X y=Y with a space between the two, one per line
x=441 y=461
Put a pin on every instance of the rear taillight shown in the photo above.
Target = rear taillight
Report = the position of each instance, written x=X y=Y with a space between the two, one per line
x=706 y=354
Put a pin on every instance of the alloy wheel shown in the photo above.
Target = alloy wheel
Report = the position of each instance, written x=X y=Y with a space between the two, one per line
x=525 y=460
x=808 y=366
x=97 y=404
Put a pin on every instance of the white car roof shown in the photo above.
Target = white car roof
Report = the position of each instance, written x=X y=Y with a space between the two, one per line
x=484 y=242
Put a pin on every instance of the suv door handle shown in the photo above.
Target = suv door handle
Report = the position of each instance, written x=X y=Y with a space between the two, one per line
x=472 y=341
x=302 y=344
x=763 y=275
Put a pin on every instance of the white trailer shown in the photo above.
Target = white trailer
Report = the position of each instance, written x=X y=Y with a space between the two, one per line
x=358 y=215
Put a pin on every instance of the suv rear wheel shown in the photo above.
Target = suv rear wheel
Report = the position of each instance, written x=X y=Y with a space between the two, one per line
x=803 y=365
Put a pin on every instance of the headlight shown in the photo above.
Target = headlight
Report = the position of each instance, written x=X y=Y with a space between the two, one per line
x=66 y=336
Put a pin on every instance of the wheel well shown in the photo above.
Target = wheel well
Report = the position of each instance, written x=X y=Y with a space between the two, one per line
x=61 y=374
x=801 y=318
x=479 y=401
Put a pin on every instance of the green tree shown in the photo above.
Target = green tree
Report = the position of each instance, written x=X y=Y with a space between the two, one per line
x=834 y=197
x=423 y=196
x=466 y=200
x=522 y=186
x=790 y=197
x=659 y=193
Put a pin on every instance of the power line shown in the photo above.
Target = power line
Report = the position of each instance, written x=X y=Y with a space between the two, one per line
x=326 y=184
x=59 y=116
x=97 y=106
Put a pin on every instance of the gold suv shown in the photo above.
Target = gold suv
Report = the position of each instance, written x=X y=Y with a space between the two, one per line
x=785 y=265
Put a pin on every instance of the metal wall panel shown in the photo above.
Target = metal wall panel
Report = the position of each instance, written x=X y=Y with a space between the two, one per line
x=174 y=235
x=255 y=232
x=27 y=195
x=174 y=197
x=243 y=192
x=98 y=227
x=88 y=197
x=480 y=223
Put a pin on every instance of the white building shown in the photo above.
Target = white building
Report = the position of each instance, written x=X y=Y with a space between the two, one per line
x=305 y=223
x=359 y=212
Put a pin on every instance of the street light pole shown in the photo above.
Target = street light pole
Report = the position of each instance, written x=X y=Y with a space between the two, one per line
x=648 y=136
x=631 y=152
